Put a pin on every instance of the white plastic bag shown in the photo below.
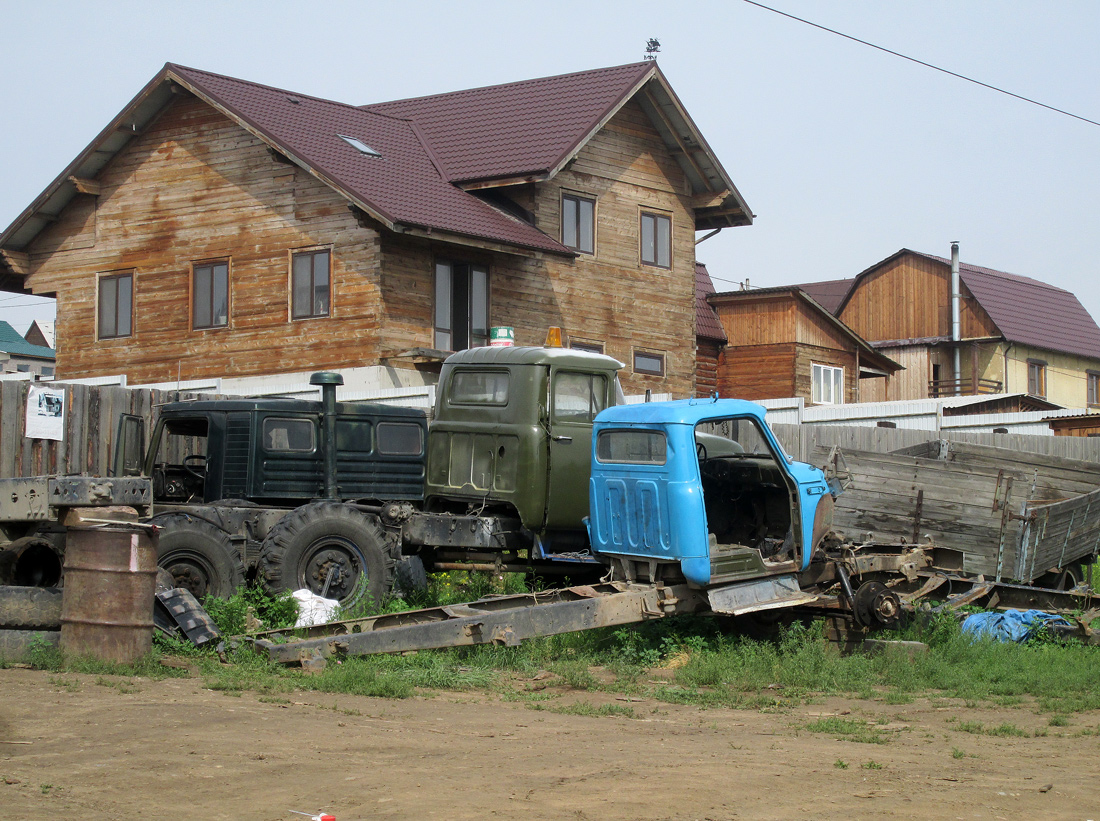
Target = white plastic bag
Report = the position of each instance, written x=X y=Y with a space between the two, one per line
x=313 y=609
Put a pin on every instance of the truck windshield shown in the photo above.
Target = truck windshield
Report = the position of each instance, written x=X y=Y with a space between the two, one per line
x=578 y=397
x=746 y=494
x=479 y=388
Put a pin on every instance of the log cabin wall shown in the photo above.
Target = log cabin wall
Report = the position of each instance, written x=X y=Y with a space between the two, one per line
x=757 y=371
x=909 y=297
x=806 y=356
x=611 y=297
x=196 y=187
x=707 y=354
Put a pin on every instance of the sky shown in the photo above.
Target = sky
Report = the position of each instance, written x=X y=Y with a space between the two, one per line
x=844 y=153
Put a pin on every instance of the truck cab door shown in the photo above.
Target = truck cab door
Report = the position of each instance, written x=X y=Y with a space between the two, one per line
x=574 y=399
x=129 y=456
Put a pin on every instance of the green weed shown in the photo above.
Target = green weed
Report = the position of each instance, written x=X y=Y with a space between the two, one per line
x=847 y=729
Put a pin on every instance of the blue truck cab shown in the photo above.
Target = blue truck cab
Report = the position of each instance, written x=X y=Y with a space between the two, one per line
x=705 y=485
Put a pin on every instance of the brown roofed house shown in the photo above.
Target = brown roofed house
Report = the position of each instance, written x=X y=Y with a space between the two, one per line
x=222 y=227
x=1017 y=335
x=781 y=342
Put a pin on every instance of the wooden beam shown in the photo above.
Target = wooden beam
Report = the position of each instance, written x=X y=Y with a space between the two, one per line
x=688 y=151
x=18 y=261
x=86 y=186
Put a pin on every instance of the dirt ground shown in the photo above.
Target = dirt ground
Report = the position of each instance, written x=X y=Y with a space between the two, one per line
x=88 y=747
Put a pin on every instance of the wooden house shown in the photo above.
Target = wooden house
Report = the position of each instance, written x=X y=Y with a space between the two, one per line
x=780 y=342
x=222 y=227
x=710 y=337
x=1017 y=334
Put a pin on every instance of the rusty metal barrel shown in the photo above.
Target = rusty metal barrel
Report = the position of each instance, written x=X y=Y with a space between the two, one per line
x=108 y=593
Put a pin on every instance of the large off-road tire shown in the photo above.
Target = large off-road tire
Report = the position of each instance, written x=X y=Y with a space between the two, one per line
x=199 y=555
x=15 y=645
x=410 y=576
x=30 y=607
x=323 y=538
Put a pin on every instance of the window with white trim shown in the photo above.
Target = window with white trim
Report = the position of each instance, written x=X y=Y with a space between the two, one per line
x=1093 y=397
x=828 y=384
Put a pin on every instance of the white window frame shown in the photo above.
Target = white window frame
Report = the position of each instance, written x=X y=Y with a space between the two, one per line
x=826 y=384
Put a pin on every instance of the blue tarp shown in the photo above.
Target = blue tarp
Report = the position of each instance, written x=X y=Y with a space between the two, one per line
x=1011 y=625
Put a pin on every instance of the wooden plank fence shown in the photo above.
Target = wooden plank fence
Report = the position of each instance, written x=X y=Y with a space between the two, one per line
x=800 y=441
x=91 y=423
x=92 y=413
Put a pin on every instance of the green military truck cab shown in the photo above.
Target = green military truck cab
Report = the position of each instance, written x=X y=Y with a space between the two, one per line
x=244 y=488
x=512 y=434
x=269 y=451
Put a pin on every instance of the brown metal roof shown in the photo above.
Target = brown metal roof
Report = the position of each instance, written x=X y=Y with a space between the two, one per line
x=426 y=144
x=402 y=186
x=1028 y=311
x=829 y=293
x=707 y=324
x=874 y=358
x=517 y=129
x=530 y=129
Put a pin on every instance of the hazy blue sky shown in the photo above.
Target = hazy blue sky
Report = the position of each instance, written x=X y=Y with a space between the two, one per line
x=844 y=153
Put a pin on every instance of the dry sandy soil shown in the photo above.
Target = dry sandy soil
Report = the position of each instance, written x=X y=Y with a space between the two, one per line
x=85 y=747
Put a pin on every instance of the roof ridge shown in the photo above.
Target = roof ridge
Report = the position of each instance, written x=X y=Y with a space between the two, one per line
x=277 y=89
x=982 y=269
x=514 y=84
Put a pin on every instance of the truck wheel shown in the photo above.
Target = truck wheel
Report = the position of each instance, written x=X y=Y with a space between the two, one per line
x=328 y=541
x=410 y=576
x=29 y=607
x=199 y=556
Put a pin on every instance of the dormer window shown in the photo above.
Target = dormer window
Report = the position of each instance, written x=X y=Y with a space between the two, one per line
x=359 y=145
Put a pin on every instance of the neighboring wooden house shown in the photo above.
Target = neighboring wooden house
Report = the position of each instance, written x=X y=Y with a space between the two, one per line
x=40 y=333
x=17 y=355
x=710 y=338
x=221 y=227
x=1086 y=425
x=782 y=343
x=1018 y=335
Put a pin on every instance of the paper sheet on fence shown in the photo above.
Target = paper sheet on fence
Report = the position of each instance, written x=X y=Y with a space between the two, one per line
x=45 y=413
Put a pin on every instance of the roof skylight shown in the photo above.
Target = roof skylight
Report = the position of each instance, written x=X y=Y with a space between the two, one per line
x=359 y=145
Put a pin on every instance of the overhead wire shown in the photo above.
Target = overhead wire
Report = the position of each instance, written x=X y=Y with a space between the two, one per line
x=923 y=63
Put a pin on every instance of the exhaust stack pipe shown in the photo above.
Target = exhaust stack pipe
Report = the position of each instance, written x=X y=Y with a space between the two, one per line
x=328 y=381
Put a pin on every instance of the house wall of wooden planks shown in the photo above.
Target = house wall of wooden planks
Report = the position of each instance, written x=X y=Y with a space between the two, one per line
x=195 y=187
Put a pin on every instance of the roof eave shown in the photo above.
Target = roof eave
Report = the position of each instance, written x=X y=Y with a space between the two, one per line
x=515 y=248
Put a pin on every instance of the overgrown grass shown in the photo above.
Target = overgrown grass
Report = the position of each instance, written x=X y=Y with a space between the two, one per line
x=849 y=729
x=690 y=660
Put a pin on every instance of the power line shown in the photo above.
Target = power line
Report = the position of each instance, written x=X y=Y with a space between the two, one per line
x=923 y=63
